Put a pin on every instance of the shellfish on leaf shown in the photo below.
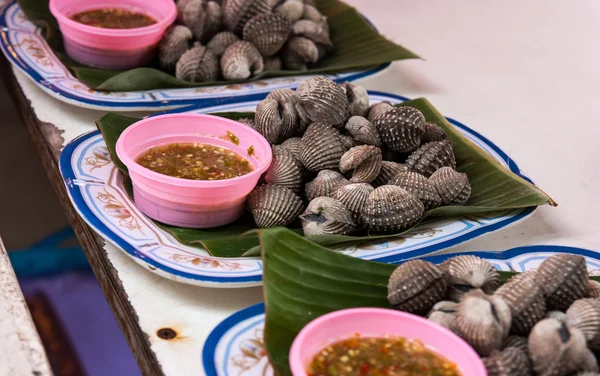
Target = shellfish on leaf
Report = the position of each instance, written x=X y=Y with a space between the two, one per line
x=358 y=98
x=198 y=64
x=220 y=41
x=326 y=215
x=388 y=171
x=430 y=157
x=323 y=101
x=273 y=206
x=173 y=45
x=325 y=184
x=452 y=186
x=298 y=52
x=237 y=12
x=241 y=60
x=364 y=163
x=525 y=299
x=401 y=128
x=276 y=120
x=418 y=185
x=321 y=148
x=268 y=32
x=564 y=279
x=203 y=18
x=353 y=196
x=362 y=130
x=285 y=170
x=467 y=272
x=390 y=209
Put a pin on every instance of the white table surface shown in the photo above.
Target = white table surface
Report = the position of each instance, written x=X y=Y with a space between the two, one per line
x=524 y=74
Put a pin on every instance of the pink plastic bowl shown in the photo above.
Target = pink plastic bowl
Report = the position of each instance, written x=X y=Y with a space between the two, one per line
x=112 y=48
x=377 y=322
x=184 y=202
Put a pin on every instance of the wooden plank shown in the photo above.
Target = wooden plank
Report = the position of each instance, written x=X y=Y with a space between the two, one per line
x=21 y=350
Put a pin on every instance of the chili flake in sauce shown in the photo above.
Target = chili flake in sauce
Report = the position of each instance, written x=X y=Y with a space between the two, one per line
x=195 y=162
x=393 y=356
x=113 y=18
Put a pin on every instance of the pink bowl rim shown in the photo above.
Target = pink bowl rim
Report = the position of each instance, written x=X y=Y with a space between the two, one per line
x=295 y=356
x=137 y=168
x=165 y=22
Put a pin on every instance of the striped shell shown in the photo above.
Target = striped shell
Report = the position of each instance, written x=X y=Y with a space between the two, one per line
x=272 y=63
x=292 y=10
x=557 y=315
x=318 y=32
x=517 y=342
x=313 y=14
x=563 y=278
x=418 y=186
x=452 y=186
x=293 y=146
x=377 y=109
x=219 y=43
x=321 y=148
x=525 y=300
x=388 y=171
x=237 y=12
x=353 y=196
x=390 y=209
x=198 y=64
x=325 y=215
x=181 y=4
x=416 y=286
x=240 y=61
x=468 y=272
x=363 y=131
x=285 y=170
x=298 y=52
x=362 y=163
x=173 y=45
x=584 y=314
x=430 y=157
x=433 y=132
x=443 y=313
x=324 y=185
x=508 y=362
x=268 y=32
x=483 y=321
x=592 y=289
x=249 y=122
x=358 y=98
x=401 y=128
x=275 y=120
x=283 y=95
x=273 y=206
x=323 y=101
x=203 y=18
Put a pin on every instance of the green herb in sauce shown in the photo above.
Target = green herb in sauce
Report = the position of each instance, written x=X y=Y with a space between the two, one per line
x=233 y=138
x=251 y=150
x=393 y=356
x=195 y=162
x=113 y=18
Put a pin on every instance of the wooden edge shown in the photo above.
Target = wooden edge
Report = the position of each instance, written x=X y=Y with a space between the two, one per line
x=21 y=350
x=91 y=243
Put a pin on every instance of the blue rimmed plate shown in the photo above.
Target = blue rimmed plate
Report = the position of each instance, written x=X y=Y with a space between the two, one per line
x=236 y=346
x=24 y=45
x=96 y=190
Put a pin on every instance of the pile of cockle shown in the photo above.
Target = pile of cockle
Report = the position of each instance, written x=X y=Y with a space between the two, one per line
x=359 y=166
x=543 y=322
x=237 y=39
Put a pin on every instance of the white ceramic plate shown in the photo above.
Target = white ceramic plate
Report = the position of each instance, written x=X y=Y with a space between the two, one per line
x=235 y=347
x=24 y=46
x=95 y=188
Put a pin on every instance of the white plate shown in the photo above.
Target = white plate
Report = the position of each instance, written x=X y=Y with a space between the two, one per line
x=95 y=188
x=23 y=44
x=236 y=347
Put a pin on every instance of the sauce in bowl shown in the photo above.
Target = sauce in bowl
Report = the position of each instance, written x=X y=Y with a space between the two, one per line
x=194 y=161
x=389 y=356
x=113 y=18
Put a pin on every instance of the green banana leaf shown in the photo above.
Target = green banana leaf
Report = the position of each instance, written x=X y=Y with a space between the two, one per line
x=356 y=46
x=494 y=188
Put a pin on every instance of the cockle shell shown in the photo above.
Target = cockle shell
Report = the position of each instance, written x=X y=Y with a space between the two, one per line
x=557 y=315
x=198 y=64
x=415 y=286
x=181 y=4
x=508 y=362
x=483 y=321
x=310 y=2
x=433 y=132
x=313 y=14
x=240 y=61
x=325 y=215
x=592 y=289
x=249 y=122
x=390 y=209
x=348 y=141
x=353 y=196
x=292 y=10
x=362 y=162
x=430 y=157
x=517 y=342
x=203 y=18
x=323 y=101
x=318 y=32
x=443 y=313
x=220 y=41
x=237 y=12
x=272 y=63
x=563 y=277
x=273 y=205
x=418 y=185
x=298 y=52
x=468 y=272
x=525 y=300
x=321 y=148
x=401 y=128
x=285 y=170
x=283 y=95
x=452 y=186
x=324 y=185
x=584 y=314
x=555 y=349
x=388 y=171
x=363 y=131
x=358 y=98
x=276 y=120
x=268 y=32
x=293 y=146
x=173 y=45
x=377 y=109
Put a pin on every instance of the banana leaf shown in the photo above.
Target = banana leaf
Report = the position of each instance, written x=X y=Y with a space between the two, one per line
x=356 y=46
x=494 y=188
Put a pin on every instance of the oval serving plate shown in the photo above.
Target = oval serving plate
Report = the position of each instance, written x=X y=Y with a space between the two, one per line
x=96 y=190
x=24 y=45
x=236 y=345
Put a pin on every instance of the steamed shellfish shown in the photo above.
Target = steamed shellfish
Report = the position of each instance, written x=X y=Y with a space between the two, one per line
x=275 y=120
x=377 y=109
x=358 y=98
x=390 y=209
x=525 y=299
x=452 y=186
x=401 y=128
x=240 y=61
x=418 y=185
x=321 y=148
x=173 y=45
x=198 y=64
x=388 y=171
x=273 y=206
x=584 y=314
x=203 y=18
x=237 y=12
x=353 y=196
x=468 y=272
x=298 y=52
x=430 y=157
x=563 y=277
x=364 y=163
x=323 y=101
x=508 y=362
x=325 y=215
x=363 y=131
x=220 y=41
x=325 y=184
x=285 y=170
x=268 y=32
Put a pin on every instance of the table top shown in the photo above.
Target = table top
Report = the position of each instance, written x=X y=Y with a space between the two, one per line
x=523 y=77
